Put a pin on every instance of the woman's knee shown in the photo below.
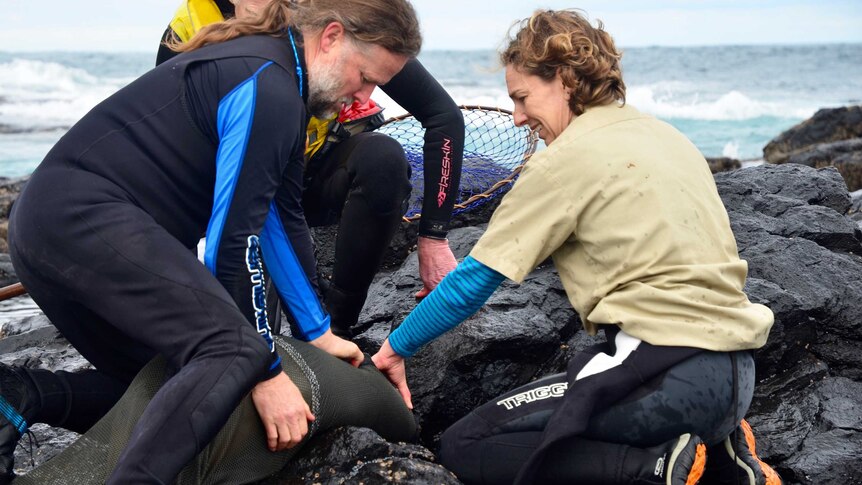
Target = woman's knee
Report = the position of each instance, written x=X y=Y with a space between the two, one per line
x=699 y=395
x=459 y=448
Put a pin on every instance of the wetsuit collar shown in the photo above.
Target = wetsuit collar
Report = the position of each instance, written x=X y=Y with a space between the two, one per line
x=295 y=40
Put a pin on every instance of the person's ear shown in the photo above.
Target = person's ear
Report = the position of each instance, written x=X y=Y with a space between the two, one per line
x=331 y=35
x=566 y=88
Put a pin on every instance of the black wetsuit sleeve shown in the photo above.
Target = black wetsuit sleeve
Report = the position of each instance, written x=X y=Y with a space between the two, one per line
x=164 y=53
x=258 y=124
x=419 y=93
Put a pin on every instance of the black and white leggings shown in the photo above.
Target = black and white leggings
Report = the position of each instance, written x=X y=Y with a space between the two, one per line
x=698 y=395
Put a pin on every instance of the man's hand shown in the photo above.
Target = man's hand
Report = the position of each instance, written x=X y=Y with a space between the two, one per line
x=283 y=411
x=392 y=366
x=435 y=261
x=337 y=346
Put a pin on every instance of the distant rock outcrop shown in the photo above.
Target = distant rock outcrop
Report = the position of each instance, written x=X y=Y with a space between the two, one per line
x=832 y=137
x=826 y=126
x=9 y=190
x=723 y=164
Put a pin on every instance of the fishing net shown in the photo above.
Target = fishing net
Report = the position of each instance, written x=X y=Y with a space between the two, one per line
x=494 y=152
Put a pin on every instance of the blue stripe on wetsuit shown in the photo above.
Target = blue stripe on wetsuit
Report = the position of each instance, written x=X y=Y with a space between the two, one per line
x=235 y=115
x=11 y=414
x=461 y=294
x=284 y=268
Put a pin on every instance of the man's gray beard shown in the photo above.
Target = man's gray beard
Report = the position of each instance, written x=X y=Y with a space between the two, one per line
x=320 y=107
x=322 y=86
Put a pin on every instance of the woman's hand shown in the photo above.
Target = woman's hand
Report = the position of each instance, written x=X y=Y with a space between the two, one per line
x=283 y=411
x=337 y=346
x=392 y=366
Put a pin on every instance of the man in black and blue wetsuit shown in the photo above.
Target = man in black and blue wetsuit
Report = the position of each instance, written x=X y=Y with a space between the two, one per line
x=210 y=142
x=361 y=181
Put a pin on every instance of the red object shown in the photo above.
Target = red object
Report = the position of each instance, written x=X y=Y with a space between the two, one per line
x=358 y=111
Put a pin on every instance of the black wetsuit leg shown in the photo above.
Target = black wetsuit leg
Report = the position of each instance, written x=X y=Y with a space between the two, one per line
x=75 y=401
x=491 y=444
x=149 y=291
x=364 y=182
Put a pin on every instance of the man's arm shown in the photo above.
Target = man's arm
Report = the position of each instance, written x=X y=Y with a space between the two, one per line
x=419 y=93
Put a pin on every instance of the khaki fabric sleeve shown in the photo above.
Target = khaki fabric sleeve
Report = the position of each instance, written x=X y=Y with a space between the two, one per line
x=536 y=217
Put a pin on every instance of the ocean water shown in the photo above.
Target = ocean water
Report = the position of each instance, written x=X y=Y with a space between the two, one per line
x=729 y=100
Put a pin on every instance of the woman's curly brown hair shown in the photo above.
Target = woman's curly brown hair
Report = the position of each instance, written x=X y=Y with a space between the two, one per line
x=564 y=42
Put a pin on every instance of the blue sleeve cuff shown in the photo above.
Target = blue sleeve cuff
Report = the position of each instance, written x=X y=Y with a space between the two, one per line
x=307 y=335
x=293 y=286
x=461 y=294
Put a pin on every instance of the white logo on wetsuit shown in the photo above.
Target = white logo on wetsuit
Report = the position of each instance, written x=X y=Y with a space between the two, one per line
x=258 y=290
x=659 y=466
x=445 y=166
x=537 y=394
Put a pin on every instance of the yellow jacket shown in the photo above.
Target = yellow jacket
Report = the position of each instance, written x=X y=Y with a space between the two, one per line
x=193 y=15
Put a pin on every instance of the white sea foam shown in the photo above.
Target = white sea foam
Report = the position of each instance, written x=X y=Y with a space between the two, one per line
x=677 y=100
x=731 y=149
x=668 y=100
x=39 y=95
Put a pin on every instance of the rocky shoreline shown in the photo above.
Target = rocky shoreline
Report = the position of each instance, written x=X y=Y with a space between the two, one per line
x=797 y=225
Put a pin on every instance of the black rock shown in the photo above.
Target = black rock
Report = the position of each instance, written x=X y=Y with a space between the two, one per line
x=359 y=455
x=803 y=252
x=826 y=126
x=9 y=190
x=723 y=164
x=846 y=156
x=7 y=272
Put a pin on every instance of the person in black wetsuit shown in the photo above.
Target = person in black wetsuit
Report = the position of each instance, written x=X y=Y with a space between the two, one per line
x=361 y=181
x=209 y=142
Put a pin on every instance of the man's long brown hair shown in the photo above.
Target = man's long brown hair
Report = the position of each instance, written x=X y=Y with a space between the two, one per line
x=391 y=24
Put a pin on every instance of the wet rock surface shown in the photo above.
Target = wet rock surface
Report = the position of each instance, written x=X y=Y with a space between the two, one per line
x=792 y=226
x=359 y=455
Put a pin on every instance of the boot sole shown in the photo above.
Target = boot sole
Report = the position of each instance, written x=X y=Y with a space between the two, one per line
x=697 y=467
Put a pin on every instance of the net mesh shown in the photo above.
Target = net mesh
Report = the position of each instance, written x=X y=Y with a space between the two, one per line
x=337 y=393
x=494 y=152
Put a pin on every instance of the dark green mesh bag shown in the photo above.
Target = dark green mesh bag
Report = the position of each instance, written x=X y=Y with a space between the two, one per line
x=337 y=393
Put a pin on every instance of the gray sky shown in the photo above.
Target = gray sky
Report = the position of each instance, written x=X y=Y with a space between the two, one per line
x=111 y=25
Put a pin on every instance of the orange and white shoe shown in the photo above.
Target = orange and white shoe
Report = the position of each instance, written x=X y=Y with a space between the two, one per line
x=735 y=461
x=680 y=461
x=686 y=462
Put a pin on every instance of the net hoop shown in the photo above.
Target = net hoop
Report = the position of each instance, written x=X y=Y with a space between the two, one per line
x=524 y=142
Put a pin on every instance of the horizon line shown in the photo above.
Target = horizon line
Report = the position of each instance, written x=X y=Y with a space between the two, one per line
x=487 y=49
